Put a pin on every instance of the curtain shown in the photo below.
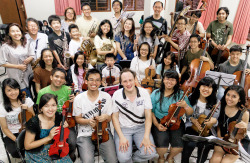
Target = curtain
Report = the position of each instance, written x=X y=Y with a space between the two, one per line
x=210 y=13
x=61 y=5
x=241 y=22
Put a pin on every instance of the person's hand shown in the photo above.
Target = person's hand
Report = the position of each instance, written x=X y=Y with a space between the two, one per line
x=223 y=47
x=136 y=39
x=92 y=122
x=102 y=118
x=26 y=61
x=151 y=67
x=71 y=98
x=63 y=67
x=147 y=145
x=24 y=106
x=182 y=104
x=218 y=47
x=204 y=58
x=125 y=58
x=241 y=124
x=54 y=131
x=22 y=67
x=123 y=144
x=65 y=125
x=161 y=127
x=92 y=35
x=247 y=71
x=112 y=50
x=171 y=14
x=210 y=123
x=167 y=38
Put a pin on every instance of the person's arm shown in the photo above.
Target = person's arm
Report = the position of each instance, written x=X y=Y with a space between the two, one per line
x=184 y=69
x=206 y=59
x=21 y=67
x=38 y=87
x=6 y=131
x=118 y=45
x=169 y=39
x=117 y=81
x=57 y=58
x=28 y=60
x=155 y=51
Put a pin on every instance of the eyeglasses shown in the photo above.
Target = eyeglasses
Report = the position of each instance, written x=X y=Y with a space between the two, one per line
x=148 y=27
x=92 y=80
x=145 y=50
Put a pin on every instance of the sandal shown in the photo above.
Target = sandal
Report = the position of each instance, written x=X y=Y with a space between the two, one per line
x=170 y=160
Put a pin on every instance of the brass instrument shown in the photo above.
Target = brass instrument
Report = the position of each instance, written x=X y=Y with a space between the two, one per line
x=105 y=47
x=90 y=53
x=92 y=29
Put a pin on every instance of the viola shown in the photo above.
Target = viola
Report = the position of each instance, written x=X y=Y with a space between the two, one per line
x=110 y=79
x=220 y=56
x=235 y=134
x=172 y=120
x=198 y=70
x=60 y=147
x=198 y=124
x=69 y=105
x=24 y=116
x=148 y=82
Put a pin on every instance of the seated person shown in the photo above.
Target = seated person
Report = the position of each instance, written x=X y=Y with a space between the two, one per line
x=106 y=72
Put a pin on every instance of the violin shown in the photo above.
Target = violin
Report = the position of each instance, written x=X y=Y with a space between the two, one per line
x=220 y=56
x=69 y=105
x=110 y=79
x=60 y=148
x=235 y=134
x=198 y=124
x=172 y=120
x=198 y=70
x=24 y=116
x=148 y=82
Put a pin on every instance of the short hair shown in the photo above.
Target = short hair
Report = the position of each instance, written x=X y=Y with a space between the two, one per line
x=92 y=71
x=195 y=36
x=85 y=4
x=42 y=63
x=54 y=18
x=156 y=2
x=45 y=21
x=126 y=70
x=223 y=8
x=58 y=69
x=71 y=26
x=182 y=18
x=31 y=20
x=65 y=12
x=118 y=2
x=235 y=48
x=197 y=13
x=110 y=55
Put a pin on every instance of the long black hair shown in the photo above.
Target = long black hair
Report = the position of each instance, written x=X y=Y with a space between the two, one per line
x=45 y=99
x=42 y=63
x=170 y=74
x=139 y=53
x=76 y=65
x=12 y=83
x=211 y=99
x=165 y=55
x=143 y=33
x=109 y=34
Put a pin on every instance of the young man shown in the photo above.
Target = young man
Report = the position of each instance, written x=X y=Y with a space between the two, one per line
x=232 y=65
x=192 y=22
x=76 y=40
x=87 y=22
x=38 y=41
x=115 y=71
x=86 y=111
x=132 y=120
x=63 y=94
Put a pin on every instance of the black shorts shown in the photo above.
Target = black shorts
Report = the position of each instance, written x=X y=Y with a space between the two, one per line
x=163 y=138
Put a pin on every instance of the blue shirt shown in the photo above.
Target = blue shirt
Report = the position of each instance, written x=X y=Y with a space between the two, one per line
x=161 y=111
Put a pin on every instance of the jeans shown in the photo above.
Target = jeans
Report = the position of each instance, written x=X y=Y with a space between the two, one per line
x=135 y=134
x=72 y=141
x=87 y=150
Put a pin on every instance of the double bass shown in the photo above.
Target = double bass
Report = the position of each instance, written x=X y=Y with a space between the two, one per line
x=69 y=105
x=60 y=147
x=110 y=79
x=148 y=82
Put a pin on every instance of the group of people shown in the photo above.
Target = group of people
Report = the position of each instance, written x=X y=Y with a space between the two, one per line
x=136 y=114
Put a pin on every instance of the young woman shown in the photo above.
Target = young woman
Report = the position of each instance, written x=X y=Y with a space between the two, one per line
x=104 y=41
x=202 y=100
x=140 y=63
x=42 y=74
x=41 y=129
x=169 y=93
x=70 y=18
x=125 y=41
x=9 y=111
x=167 y=62
x=231 y=105
x=148 y=35
x=16 y=56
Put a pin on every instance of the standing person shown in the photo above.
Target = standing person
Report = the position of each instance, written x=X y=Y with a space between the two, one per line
x=69 y=18
x=202 y=100
x=38 y=41
x=9 y=111
x=86 y=22
x=169 y=93
x=41 y=129
x=132 y=119
x=148 y=35
x=193 y=22
x=42 y=74
x=16 y=55
x=76 y=40
x=46 y=28
x=231 y=106
x=126 y=41
x=86 y=111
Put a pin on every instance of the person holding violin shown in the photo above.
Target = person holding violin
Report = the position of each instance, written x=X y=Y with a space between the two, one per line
x=169 y=93
x=86 y=109
x=41 y=129
x=232 y=65
x=10 y=109
x=202 y=100
x=194 y=26
x=132 y=120
x=111 y=70
x=193 y=53
x=143 y=61
x=231 y=110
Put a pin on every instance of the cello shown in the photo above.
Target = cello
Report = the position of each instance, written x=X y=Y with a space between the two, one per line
x=24 y=116
x=110 y=79
x=69 y=105
x=198 y=69
x=148 y=82
x=172 y=120
x=60 y=148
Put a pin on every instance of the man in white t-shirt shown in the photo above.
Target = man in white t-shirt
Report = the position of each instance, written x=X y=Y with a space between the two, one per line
x=132 y=119
x=86 y=111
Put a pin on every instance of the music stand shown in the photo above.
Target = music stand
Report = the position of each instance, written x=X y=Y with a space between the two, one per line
x=125 y=63
x=221 y=78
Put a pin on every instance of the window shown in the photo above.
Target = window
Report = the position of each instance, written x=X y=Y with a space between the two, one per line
x=137 y=5
x=98 y=5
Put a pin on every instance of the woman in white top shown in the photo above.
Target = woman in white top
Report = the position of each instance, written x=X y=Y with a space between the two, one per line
x=70 y=18
x=143 y=61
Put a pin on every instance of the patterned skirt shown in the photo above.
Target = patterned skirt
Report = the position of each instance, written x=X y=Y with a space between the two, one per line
x=43 y=156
